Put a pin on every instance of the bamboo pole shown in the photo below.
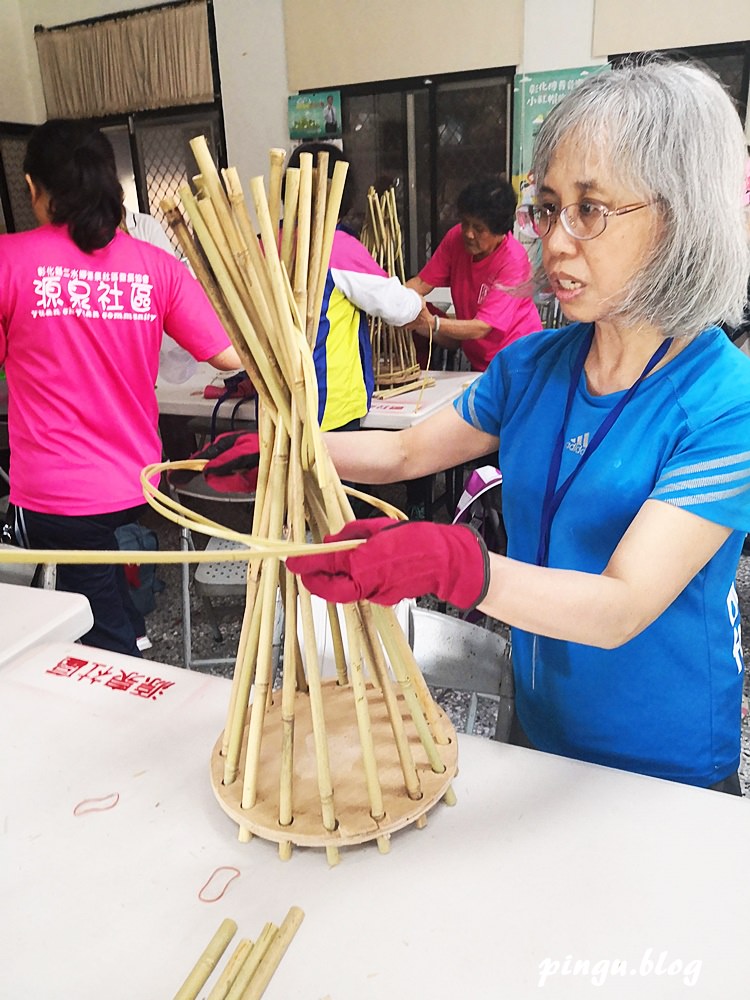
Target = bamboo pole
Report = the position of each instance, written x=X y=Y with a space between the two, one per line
x=274 y=953
x=304 y=212
x=268 y=591
x=320 y=191
x=207 y=962
x=330 y=221
x=291 y=198
x=296 y=511
x=230 y=970
x=249 y=967
x=277 y=157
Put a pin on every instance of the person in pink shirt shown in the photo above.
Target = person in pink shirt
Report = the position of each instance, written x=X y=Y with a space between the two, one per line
x=487 y=270
x=82 y=309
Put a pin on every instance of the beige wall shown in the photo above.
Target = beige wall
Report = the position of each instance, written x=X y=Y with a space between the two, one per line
x=336 y=42
x=639 y=25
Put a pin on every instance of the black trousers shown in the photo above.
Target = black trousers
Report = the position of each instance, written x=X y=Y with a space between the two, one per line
x=117 y=622
x=730 y=785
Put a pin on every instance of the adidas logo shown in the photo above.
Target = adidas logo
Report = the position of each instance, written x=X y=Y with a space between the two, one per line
x=578 y=444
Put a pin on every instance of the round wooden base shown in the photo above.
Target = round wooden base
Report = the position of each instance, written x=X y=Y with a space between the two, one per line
x=355 y=825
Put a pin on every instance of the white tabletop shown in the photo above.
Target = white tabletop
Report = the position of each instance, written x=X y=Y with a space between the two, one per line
x=542 y=861
x=410 y=408
x=29 y=616
x=186 y=399
x=413 y=407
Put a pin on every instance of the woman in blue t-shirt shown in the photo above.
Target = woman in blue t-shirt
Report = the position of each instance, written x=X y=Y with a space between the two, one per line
x=623 y=441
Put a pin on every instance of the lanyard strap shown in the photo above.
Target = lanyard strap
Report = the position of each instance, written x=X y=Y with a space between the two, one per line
x=554 y=497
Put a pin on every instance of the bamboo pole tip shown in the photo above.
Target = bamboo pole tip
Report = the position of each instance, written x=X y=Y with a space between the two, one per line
x=285 y=850
x=244 y=835
x=384 y=844
x=450 y=797
x=199 y=143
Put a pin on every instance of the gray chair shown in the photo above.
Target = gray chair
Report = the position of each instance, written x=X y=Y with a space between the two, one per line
x=456 y=654
x=210 y=580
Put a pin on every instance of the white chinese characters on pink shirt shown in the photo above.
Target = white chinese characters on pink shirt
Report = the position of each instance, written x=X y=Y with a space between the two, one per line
x=69 y=291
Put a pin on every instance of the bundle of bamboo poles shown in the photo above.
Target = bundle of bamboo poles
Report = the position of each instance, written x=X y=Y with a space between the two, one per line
x=287 y=766
x=249 y=968
x=393 y=352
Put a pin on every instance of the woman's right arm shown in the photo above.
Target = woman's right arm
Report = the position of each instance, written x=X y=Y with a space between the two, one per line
x=441 y=442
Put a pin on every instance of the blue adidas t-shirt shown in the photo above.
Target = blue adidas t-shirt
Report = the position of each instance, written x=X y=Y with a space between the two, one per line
x=667 y=703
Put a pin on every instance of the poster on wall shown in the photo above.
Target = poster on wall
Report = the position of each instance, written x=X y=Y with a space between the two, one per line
x=315 y=116
x=534 y=96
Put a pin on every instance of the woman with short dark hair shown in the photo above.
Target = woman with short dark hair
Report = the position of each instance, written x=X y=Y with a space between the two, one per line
x=488 y=272
x=82 y=310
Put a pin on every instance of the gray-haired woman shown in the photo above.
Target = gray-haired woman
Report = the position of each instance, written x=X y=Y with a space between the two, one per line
x=623 y=440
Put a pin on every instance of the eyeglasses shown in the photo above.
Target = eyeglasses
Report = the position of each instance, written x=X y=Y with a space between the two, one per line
x=582 y=220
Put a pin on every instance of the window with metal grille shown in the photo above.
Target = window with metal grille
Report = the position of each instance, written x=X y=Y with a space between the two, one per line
x=730 y=61
x=428 y=139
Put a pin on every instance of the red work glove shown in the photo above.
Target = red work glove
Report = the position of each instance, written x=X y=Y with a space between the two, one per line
x=399 y=559
x=232 y=465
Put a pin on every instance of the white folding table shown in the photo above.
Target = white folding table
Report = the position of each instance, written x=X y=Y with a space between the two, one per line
x=30 y=615
x=549 y=877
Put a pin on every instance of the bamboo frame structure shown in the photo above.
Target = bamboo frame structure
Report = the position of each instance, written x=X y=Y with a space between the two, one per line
x=393 y=352
x=315 y=762
x=288 y=766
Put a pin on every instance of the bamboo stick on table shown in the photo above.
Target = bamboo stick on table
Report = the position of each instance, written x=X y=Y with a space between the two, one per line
x=249 y=968
x=231 y=969
x=207 y=962
x=274 y=953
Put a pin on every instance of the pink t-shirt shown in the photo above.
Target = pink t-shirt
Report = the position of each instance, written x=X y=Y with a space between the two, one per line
x=80 y=336
x=477 y=289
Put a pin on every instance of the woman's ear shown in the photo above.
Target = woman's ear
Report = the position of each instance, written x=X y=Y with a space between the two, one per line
x=39 y=201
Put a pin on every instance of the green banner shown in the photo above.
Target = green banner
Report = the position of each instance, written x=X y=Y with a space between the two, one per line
x=315 y=116
x=534 y=95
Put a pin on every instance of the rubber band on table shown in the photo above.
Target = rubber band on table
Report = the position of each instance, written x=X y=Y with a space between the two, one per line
x=235 y=873
x=101 y=804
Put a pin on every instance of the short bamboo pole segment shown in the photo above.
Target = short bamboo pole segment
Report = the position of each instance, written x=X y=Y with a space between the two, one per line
x=274 y=953
x=249 y=968
x=207 y=962
x=230 y=970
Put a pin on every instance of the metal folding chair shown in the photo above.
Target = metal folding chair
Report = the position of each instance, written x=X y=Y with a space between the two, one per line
x=210 y=580
x=458 y=655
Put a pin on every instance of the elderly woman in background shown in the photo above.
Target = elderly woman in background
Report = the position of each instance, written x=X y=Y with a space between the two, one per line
x=485 y=266
x=623 y=440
